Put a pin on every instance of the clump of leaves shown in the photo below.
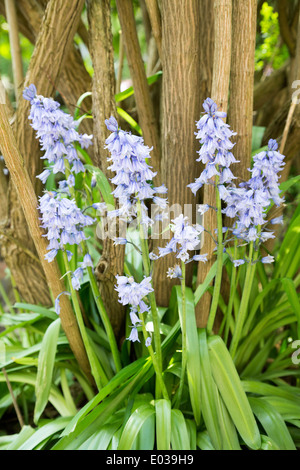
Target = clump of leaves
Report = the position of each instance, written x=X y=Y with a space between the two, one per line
x=270 y=50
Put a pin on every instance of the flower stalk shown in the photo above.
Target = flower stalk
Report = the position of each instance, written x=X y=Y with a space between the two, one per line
x=184 y=337
x=151 y=295
x=242 y=314
x=218 y=278
x=96 y=368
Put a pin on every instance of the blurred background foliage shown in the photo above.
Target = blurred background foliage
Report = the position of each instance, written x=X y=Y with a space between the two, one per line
x=270 y=50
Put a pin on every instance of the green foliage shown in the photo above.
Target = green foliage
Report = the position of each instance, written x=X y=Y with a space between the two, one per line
x=269 y=50
x=248 y=403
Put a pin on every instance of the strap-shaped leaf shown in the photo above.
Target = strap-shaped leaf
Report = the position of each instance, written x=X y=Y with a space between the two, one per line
x=103 y=185
x=232 y=392
x=46 y=362
x=133 y=426
x=163 y=424
x=179 y=433
x=272 y=423
x=193 y=355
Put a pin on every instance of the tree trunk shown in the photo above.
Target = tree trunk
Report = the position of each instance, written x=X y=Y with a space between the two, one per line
x=28 y=203
x=143 y=100
x=240 y=115
x=52 y=46
x=220 y=88
x=186 y=77
x=104 y=105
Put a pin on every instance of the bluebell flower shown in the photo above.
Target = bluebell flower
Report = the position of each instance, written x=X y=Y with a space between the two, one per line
x=134 y=336
x=148 y=341
x=215 y=152
x=100 y=206
x=268 y=259
x=87 y=261
x=56 y=131
x=238 y=262
x=29 y=93
x=120 y=241
x=44 y=175
x=93 y=180
x=63 y=221
x=203 y=208
x=174 y=272
x=277 y=220
x=186 y=238
x=77 y=278
x=202 y=258
x=133 y=175
x=248 y=202
x=57 y=300
x=133 y=293
x=135 y=320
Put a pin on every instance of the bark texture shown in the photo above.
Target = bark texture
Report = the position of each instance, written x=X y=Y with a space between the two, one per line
x=186 y=75
x=28 y=204
x=143 y=100
x=112 y=260
x=220 y=88
x=53 y=43
x=14 y=41
x=240 y=114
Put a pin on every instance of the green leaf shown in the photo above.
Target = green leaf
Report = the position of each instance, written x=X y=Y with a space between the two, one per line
x=45 y=432
x=268 y=444
x=293 y=298
x=163 y=424
x=193 y=355
x=134 y=425
x=130 y=120
x=232 y=392
x=179 y=433
x=272 y=423
x=289 y=409
x=55 y=397
x=219 y=424
x=87 y=159
x=36 y=309
x=209 y=394
x=22 y=437
x=146 y=437
x=257 y=137
x=287 y=261
x=92 y=416
x=204 y=442
x=130 y=91
x=103 y=184
x=102 y=438
x=286 y=185
x=45 y=368
x=79 y=102
x=202 y=288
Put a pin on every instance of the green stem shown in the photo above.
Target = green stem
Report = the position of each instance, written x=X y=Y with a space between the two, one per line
x=244 y=302
x=183 y=334
x=154 y=361
x=15 y=290
x=218 y=278
x=146 y=264
x=105 y=320
x=96 y=368
x=231 y=295
x=6 y=299
x=96 y=294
